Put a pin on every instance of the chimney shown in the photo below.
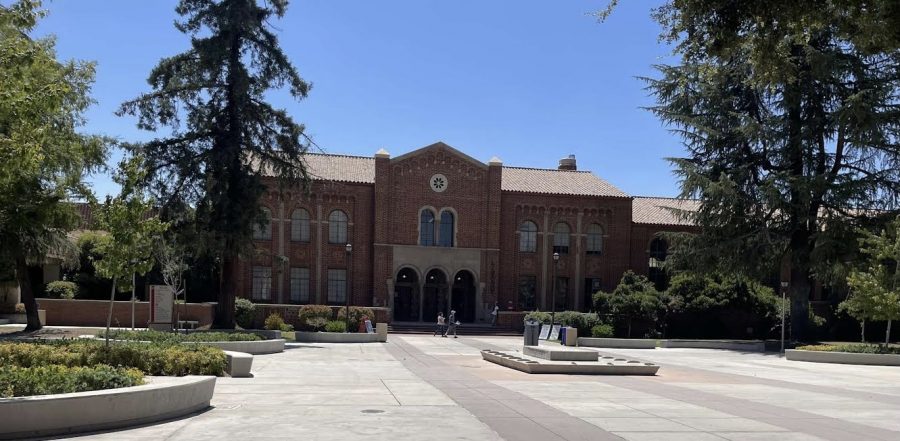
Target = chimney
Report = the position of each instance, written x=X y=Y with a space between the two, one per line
x=568 y=163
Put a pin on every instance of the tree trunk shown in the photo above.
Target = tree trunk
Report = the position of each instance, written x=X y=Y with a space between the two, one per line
x=799 y=291
x=112 y=301
x=628 y=321
x=225 y=306
x=863 y=332
x=887 y=334
x=27 y=293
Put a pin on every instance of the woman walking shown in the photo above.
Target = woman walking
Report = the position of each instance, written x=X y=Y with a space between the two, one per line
x=439 y=329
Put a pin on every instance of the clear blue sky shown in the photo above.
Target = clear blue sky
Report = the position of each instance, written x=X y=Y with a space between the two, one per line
x=527 y=81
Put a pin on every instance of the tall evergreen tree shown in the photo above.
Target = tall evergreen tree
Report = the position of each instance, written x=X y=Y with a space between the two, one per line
x=790 y=114
x=224 y=135
x=43 y=157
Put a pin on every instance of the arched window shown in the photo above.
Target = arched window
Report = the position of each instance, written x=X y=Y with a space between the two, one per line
x=447 y=229
x=561 y=238
x=426 y=228
x=594 y=239
x=528 y=237
x=337 y=227
x=300 y=225
x=264 y=231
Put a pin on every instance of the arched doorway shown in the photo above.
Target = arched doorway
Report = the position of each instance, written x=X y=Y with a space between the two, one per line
x=434 y=299
x=406 y=296
x=463 y=296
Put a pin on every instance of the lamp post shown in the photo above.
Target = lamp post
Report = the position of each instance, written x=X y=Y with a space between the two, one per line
x=349 y=248
x=553 y=291
x=784 y=286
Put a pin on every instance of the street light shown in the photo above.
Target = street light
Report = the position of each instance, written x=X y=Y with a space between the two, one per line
x=349 y=248
x=553 y=291
x=784 y=286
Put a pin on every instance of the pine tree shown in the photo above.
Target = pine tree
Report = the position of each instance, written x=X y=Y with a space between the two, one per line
x=224 y=135
x=876 y=289
x=790 y=115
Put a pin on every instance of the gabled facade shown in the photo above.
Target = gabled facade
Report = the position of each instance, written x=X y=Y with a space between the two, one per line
x=435 y=229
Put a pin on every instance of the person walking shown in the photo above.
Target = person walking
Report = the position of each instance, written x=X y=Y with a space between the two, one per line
x=451 y=327
x=494 y=313
x=439 y=329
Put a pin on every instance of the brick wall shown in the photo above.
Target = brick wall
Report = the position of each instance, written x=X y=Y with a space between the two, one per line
x=62 y=312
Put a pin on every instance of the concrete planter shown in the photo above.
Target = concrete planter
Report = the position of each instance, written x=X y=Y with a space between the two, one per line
x=47 y=415
x=733 y=345
x=337 y=337
x=23 y=319
x=843 y=357
x=256 y=347
x=621 y=343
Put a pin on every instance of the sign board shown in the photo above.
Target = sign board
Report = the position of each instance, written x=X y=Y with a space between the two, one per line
x=369 y=329
x=162 y=303
x=545 y=332
x=554 y=333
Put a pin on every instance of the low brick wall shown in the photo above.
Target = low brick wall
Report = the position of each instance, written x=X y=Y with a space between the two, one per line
x=62 y=312
x=290 y=313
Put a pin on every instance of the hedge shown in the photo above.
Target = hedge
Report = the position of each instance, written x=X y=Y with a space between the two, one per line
x=313 y=317
x=61 y=289
x=149 y=358
x=17 y=381
x=854 y=348
x=274 y=322
x=584 y=321
x=335 y=326
x=173 y=337
x=244 y=311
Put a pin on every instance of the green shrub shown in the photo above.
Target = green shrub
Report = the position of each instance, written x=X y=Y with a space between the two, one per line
x=286 y=327
x=539 y=316
x=335 y=326
x=274 y=322
x=20 y=308
x=61 y=289
x=244 y=312
x=17 y=381
x=602 y=331
x=174 y=337
x=356 y=316
x=149 y=358
x=854 y=348
x=314 y=317
x=635 y=299
x=584 y=321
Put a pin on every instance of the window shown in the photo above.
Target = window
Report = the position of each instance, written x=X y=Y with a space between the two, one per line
x=527 y=293
x=594 y=239
x=446 y=237
x=299 y=285
x=264 y=231
x=561 y=295
x=656 y=270
x=300 y=225
x=591 y=287
x=561 y=238
x=337 y=286
x=337 y=227
x=528 y=237
x=426 y=228
x=262 y=283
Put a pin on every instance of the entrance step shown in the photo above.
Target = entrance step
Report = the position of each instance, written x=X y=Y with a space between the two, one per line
x=463 y=329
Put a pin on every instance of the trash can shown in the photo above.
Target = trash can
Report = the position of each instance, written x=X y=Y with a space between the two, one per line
x=532 y=332
x=562 y=335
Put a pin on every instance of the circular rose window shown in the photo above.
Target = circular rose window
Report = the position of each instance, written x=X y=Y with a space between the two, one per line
x=438 y=183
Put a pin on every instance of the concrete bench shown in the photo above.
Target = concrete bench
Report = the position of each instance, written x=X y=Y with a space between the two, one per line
x=238 y=364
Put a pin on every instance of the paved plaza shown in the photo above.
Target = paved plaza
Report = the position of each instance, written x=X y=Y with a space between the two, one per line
x=419 y=387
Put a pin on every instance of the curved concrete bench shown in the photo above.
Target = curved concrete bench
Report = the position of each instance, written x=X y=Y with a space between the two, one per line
x=734 y=345
x=161 y=399
x=336 y=337
x=621 y=343
x=256 y=347
x=843 y=357
x=238 y=364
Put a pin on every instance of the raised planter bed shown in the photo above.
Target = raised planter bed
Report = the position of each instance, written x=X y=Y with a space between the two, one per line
x=336 y=337
x=23 y=319
x=604 y=366
x=560 y=354
x=842 y=357
x=621 y=343
x=48 y=415
x=256 y=347
x=733 y=345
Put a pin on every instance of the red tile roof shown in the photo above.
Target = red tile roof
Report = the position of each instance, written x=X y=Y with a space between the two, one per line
x=662 y=211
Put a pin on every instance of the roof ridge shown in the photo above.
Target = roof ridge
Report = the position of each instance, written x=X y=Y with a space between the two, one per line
x=548 y=169
x=338 y=154
x=676 y=198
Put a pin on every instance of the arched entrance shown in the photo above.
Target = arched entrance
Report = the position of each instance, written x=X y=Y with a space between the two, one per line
x=434 y=299
x=463 y=296
x=406 y=296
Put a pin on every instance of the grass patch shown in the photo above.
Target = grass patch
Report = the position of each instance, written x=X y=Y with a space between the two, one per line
x=150 y=359
x=17 y=381
x=854 y=348
x=174 y=337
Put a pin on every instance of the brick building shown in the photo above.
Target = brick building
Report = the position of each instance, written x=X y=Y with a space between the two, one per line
x=436 y=229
